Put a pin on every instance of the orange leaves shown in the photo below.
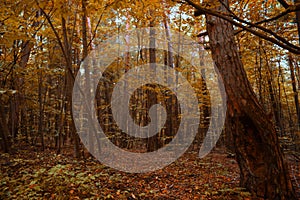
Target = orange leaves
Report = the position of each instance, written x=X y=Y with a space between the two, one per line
x=55 y=177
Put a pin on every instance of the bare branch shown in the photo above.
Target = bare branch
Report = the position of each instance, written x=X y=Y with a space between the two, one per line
x=276 y=39
x=53 y=29
x=283 y=3
x=287 y=11
x=99 y=21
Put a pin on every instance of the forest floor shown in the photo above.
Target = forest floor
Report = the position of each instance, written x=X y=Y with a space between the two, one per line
x=31 y=174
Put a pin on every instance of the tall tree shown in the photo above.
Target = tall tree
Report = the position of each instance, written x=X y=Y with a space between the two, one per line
x=294 y=86
x=5 y=142
x=298 y=19
x=262 y=168
x=66 y=47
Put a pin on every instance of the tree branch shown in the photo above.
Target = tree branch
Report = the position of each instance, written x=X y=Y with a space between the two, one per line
x=279 y=38
x=99 y=21
x=53 y=29
x=283 y=3
x=290 y=9
x=283 y=43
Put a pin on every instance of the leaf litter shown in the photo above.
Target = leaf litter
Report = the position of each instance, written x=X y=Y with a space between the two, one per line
x=30 y=174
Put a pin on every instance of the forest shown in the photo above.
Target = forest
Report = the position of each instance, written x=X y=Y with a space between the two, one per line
x=159 y=99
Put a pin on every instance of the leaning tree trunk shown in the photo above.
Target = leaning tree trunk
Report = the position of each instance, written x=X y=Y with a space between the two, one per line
x=262 y=167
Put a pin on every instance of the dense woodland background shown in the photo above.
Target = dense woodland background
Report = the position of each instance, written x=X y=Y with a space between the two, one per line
x=42 y=46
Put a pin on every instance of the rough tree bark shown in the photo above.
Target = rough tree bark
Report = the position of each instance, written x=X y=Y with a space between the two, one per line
x=263 y=170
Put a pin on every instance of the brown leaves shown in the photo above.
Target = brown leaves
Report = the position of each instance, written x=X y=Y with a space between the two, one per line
x=51 y=176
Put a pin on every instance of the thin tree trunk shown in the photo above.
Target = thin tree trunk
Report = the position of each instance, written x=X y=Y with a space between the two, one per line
x=260 y=90
x=70 y=83
x=16 y=101
x=41 y=111
x=282 y=80
x=298 y=19
x=296 y=97
x=152 y=142
x=4 y=132
x=26 y=48
x=274 y=101
x=86 y=64
x=171 y=102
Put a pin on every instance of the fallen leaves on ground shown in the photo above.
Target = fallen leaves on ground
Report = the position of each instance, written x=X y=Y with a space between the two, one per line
x=44 y=175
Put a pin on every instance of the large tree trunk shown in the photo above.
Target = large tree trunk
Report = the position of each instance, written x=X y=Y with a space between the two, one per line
x=262 y=167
